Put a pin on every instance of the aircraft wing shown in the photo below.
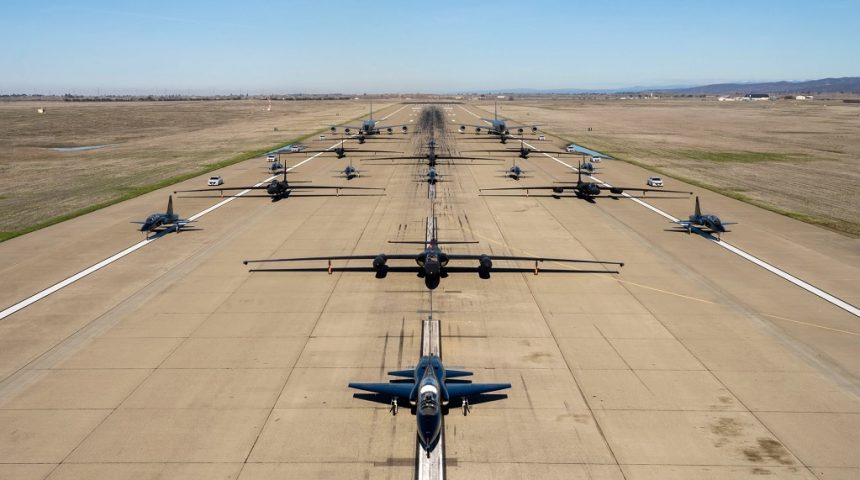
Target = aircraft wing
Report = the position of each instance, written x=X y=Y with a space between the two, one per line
x=410 y=157
x=615 y=189
x=400 y=390
x=530 y=259
x=219 y=189
x=332 y=187
x=383 y=127
x=332 y=257
x=461 y=390
x=485 y=126
x=512 y=127
x=454 y=157
x=536 y=187
x=291 y=187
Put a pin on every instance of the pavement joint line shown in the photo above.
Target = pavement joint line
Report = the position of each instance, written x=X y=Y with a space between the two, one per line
x=137 y=246
x=832 y=299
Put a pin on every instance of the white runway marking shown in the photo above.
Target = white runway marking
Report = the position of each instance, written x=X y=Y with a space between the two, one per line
x=834 y=300
x=83 y=273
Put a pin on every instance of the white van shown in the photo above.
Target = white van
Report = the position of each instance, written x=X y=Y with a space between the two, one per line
x=271 y=157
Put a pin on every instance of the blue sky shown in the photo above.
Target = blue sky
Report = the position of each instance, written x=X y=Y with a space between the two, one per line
x=376 y=46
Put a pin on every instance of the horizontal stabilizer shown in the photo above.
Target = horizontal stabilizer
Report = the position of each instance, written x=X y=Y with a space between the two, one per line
x=402 y=373
x=402 y=390
x=457 y=373
x=467 y=389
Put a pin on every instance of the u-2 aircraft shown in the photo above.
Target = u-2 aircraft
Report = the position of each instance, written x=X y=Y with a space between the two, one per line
x=584 y=190
x=431 y=157
x=432 y=263
x=340 y=150
x=429 y=395
x=278 y=189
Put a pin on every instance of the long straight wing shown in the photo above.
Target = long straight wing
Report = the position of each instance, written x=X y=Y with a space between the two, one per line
x=636 y=189
x=291 y=187
x=564 y=186
x=401 y=390
x=387 y=269
x=461 y=390
x=348 y=150
x=531 y=259
x=477 y=269
x=535 y=187
x=333 y=257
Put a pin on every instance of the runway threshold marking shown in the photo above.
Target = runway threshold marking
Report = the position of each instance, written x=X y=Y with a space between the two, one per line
x=98 y=266
x=832 y=299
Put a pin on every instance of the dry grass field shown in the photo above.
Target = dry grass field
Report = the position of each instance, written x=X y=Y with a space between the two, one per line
x=798 y=158
x=148 y=143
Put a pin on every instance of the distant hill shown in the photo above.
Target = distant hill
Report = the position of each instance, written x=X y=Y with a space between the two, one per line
x=824 y=85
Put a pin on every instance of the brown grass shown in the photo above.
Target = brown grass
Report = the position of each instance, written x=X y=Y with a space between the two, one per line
x=150 y=142
x=800 y=159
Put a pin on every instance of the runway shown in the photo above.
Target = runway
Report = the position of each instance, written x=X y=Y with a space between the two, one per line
x=176 y=362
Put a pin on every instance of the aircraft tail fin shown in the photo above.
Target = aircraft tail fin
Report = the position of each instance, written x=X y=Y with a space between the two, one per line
x=371 y=109
x=698 y=211
x=495 y=111
x=170 y=205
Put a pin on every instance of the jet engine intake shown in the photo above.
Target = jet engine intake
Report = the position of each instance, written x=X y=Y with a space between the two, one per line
x=379 y=261
x=485 y=262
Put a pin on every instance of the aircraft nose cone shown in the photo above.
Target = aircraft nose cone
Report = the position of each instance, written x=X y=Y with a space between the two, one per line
x=428 y=430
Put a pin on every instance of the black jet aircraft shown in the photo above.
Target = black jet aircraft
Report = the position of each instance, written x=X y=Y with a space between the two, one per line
x=349 y=172
x=167 y=219
x=275 y=168
x=498 y=126
x=369 y=127
x=278 y=189
x=584 y=190
x=431 y=157
x=515 y=172
x=431 y=263
x=707 y=221
x=432 y=176
x=429 y=395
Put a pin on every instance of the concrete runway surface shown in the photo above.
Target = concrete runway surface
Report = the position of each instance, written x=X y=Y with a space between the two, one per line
x=176 y=362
